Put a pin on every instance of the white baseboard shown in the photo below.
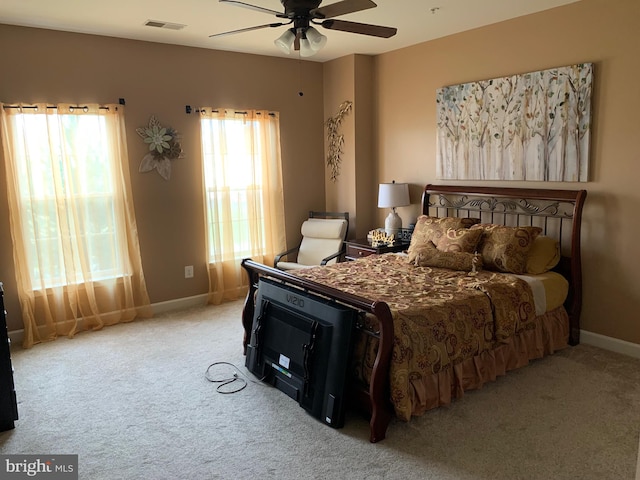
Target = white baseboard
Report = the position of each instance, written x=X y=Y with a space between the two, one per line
x=610 y=343
x=17 y=336
x=179 y=304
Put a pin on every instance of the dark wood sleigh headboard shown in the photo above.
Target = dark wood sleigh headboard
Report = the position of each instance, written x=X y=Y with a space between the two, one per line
x=557 y=212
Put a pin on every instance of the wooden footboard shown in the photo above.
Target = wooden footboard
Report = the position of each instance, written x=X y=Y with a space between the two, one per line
x=375 y=400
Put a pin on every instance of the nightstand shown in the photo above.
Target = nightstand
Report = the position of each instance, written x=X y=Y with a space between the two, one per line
x=361 y=247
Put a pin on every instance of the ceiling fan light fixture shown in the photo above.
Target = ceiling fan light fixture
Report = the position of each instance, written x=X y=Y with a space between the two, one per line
x=305 y=39
x=317 y=41
x=306 y=50
x=311 y=41
x=285 y=41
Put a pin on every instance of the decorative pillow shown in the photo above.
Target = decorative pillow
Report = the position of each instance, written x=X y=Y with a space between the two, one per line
x=505 y=249
x=429 y=256
x=544 y=255
x=459 y=240
x=432 y=228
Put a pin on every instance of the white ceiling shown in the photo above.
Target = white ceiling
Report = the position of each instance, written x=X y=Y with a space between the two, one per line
x=417 y=21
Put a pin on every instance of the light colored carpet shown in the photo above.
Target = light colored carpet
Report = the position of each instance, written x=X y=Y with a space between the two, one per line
x=132 y=401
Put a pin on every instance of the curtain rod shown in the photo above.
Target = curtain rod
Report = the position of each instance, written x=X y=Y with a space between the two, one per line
x=189 y=110
x=52 y=107
x=121 y=101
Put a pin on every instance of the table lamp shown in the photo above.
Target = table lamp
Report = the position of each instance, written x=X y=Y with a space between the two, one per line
x=392 y=195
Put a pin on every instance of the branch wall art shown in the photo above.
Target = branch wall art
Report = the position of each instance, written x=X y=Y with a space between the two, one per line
x=335 y=139
x=533 y=127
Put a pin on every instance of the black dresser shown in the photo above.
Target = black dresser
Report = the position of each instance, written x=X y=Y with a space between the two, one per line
x=8 y=405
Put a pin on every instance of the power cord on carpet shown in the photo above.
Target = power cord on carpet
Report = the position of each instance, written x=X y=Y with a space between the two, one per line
x=228 y=380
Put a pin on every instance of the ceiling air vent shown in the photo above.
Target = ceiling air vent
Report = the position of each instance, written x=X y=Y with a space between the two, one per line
x=167 y=25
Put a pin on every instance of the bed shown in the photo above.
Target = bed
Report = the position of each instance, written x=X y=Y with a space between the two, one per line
x=477 y=294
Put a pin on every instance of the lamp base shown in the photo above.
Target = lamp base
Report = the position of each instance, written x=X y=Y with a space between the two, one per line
x=392 y=224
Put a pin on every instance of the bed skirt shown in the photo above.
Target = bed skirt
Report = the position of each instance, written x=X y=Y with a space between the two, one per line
x=428 y=391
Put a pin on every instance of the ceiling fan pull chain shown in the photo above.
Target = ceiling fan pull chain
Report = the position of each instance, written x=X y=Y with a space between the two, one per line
x=300 y=92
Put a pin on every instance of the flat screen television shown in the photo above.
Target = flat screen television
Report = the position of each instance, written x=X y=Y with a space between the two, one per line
x=301 y=343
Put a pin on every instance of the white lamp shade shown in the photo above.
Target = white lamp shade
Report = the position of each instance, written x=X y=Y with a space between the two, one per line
x=311 y=41
x=391 y=195
x=316 y=39
x=306 y=50
x=285 y=41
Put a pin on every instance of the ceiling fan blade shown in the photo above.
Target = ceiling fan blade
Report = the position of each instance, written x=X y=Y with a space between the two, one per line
x=361 y=28
x=342 y=8
x=248 y=29
x=252 y=7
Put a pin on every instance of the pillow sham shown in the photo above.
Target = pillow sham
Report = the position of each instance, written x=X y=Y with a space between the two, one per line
x=544 y=255
x=459 y=240
x=432 y=228
x=428 y=255
x=505 y=249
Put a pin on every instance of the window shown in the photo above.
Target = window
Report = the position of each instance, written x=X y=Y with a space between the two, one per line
x=66 y=196
x=75 y=244
x=233 y=181
x=243 y=195
x=234 y=149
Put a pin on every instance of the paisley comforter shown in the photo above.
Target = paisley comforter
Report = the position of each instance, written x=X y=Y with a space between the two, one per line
x=441 y=317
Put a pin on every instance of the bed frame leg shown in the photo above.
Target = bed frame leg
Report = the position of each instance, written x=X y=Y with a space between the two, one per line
x=380 y=420
x=379 y=383
x=574 y=337
x=249 y=306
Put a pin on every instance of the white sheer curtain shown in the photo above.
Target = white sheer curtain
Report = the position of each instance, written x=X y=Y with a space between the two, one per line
x=243 y=195
x=75 y=242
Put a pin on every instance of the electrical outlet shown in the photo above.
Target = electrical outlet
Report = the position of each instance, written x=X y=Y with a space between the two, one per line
x=188 y=271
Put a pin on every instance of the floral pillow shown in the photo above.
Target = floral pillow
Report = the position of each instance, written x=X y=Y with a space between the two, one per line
x=506 y=249
x=431 y=229
x=459 y=240
x=429 y=256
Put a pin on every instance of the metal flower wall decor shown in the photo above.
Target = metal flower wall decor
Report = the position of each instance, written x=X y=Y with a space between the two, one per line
x=164 y=146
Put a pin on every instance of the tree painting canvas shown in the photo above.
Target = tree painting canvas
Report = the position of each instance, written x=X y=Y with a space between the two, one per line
x=532 y=127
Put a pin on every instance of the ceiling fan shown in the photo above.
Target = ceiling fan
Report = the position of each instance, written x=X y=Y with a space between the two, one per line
x=303 y=14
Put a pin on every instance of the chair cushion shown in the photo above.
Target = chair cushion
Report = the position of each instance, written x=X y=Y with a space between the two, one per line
x=324 y=228
x=292 y=266
x=321 y=237
x=313 y=250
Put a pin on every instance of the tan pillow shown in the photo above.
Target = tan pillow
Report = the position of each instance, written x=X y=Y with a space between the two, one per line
x=505 y=249
x=430 y=229
x=459 y=240
x=544 y=255
x=429 y=256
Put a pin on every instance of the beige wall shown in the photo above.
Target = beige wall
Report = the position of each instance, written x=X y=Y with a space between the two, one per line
x=352 y=78
x=403 y=85
x=47 y=66
x=604 y=32
x=366 y=184
x=339 y=86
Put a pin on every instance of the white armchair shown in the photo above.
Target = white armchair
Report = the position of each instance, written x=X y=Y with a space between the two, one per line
x=323 y=237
